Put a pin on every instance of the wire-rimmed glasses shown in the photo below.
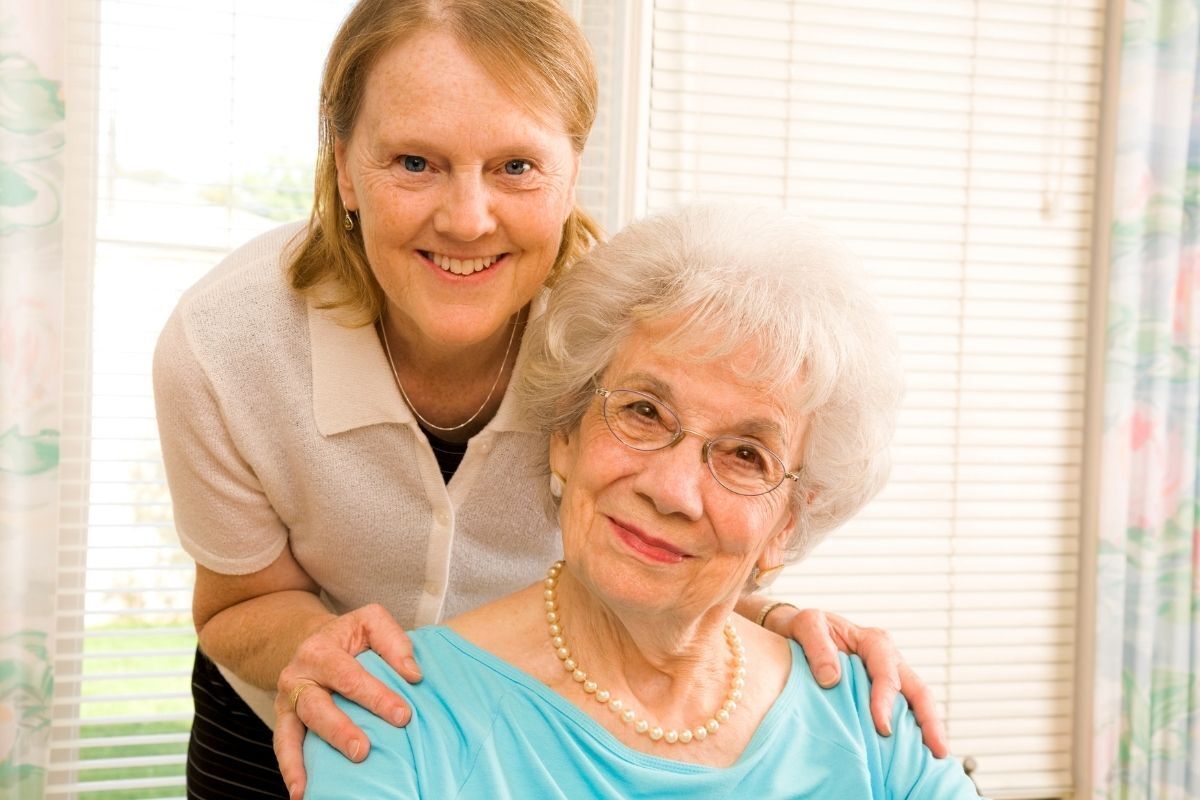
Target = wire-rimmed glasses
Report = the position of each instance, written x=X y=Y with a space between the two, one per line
x=643 y=422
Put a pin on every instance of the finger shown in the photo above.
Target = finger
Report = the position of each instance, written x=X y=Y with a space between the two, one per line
x=811 y=629
x=352 y=681
x=289 y=752
x=920 y=699
x=882 y=662
x=388 y=639
x=318 y=712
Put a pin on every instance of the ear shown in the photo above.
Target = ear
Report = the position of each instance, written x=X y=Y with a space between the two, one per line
x=562 y=453
x=772 y=554
x=345 y=185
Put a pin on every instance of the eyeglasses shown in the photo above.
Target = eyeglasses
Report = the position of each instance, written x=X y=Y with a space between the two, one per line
x=643 y=422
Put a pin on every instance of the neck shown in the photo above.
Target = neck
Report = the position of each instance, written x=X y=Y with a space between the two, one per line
x=425 y=358
x=676 y=672
x=453 y=389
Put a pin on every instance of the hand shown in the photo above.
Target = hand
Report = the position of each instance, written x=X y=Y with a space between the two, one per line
x=822 y=635
x=324 y=663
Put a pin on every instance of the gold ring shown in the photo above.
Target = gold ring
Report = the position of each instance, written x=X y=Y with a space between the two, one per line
x=294 y=695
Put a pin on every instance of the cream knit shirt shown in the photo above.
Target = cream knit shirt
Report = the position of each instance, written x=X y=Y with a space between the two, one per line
x=281 y=427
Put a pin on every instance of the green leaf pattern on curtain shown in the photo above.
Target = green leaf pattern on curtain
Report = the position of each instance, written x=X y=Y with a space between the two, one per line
x=1146 y=741
x=32 y=135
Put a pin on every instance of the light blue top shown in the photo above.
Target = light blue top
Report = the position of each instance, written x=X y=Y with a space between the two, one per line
x=482 y=728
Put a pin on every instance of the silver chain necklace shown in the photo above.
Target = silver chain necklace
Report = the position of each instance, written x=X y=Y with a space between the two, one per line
x=387 y=349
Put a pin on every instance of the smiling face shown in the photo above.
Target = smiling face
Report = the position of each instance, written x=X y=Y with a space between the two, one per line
x=654 y=531
x=461 y=193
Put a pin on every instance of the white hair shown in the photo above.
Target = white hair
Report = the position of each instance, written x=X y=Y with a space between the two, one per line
x=736 y=275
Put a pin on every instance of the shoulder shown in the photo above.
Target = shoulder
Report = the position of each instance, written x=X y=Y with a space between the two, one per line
x=250 y=276
x=898 y=764
x=243 y=303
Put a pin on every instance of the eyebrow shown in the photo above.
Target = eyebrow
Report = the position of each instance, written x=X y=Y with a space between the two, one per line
x=759 y=427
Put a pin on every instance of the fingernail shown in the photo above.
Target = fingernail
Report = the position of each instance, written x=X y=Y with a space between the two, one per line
x=411 y=665
x=826 y=676
x=355 y=746
x=400 y=718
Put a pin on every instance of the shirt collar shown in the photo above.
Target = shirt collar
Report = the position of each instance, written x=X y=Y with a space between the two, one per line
x=353 y=385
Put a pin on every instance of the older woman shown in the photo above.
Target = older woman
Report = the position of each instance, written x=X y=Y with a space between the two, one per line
x=719 y=391
x=341 y=444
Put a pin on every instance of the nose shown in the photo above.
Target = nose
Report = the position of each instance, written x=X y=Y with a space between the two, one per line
x=465 y=213
x=673 y=478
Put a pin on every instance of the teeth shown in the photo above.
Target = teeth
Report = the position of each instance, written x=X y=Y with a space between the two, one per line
x=462 y=266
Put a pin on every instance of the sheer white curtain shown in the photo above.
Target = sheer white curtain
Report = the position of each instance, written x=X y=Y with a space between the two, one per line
x=32 y=117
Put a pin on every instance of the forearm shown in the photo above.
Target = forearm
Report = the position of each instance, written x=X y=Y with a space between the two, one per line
x=257 y=638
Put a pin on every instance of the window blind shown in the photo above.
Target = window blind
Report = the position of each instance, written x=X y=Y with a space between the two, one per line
x=952 y=143
x=191 y=130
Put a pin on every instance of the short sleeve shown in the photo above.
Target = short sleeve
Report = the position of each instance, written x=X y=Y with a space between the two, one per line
x=901 y=762
x=224 y=519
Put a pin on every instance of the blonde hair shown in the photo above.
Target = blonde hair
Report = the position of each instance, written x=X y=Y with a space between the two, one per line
x=532 y=47
x=736 y=275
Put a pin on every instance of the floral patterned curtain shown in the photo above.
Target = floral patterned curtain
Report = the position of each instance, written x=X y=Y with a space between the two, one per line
x=31 y=289
x=1146 y=740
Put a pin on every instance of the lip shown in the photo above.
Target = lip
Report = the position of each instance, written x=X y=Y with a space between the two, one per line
x=645 y=545
x=426 y=257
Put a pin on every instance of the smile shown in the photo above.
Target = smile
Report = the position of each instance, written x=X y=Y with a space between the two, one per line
x=648 y=546
x=461 y=266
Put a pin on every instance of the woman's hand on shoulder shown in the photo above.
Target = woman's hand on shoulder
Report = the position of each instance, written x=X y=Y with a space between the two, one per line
x=823 y=634
x=325 y=663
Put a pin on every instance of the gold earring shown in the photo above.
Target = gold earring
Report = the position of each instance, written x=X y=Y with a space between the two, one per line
x=348 y=221
x=765 y=577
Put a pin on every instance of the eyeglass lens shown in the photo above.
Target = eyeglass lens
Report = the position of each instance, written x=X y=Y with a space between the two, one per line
x=645 y=423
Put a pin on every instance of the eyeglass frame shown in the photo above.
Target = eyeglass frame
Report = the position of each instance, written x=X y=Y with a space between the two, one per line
x=604 y=393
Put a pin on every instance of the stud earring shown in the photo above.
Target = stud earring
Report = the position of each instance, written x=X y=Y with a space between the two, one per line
x=765 y=577
x=348 y=221
x=557 y=484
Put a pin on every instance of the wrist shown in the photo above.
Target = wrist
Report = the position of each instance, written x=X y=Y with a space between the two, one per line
x=769 y=612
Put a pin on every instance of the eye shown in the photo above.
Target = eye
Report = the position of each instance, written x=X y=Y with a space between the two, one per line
x=517 y=166
x=740 y=457
x=413 y=163
x=645 y=409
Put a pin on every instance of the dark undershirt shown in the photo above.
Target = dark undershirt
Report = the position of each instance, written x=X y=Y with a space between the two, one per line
x=448 y=454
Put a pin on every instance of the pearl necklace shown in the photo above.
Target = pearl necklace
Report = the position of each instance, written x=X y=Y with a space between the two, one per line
x=618 y=707
x=387 y=349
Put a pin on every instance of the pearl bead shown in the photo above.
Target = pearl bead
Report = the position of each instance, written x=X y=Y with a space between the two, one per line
x=656 y=733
